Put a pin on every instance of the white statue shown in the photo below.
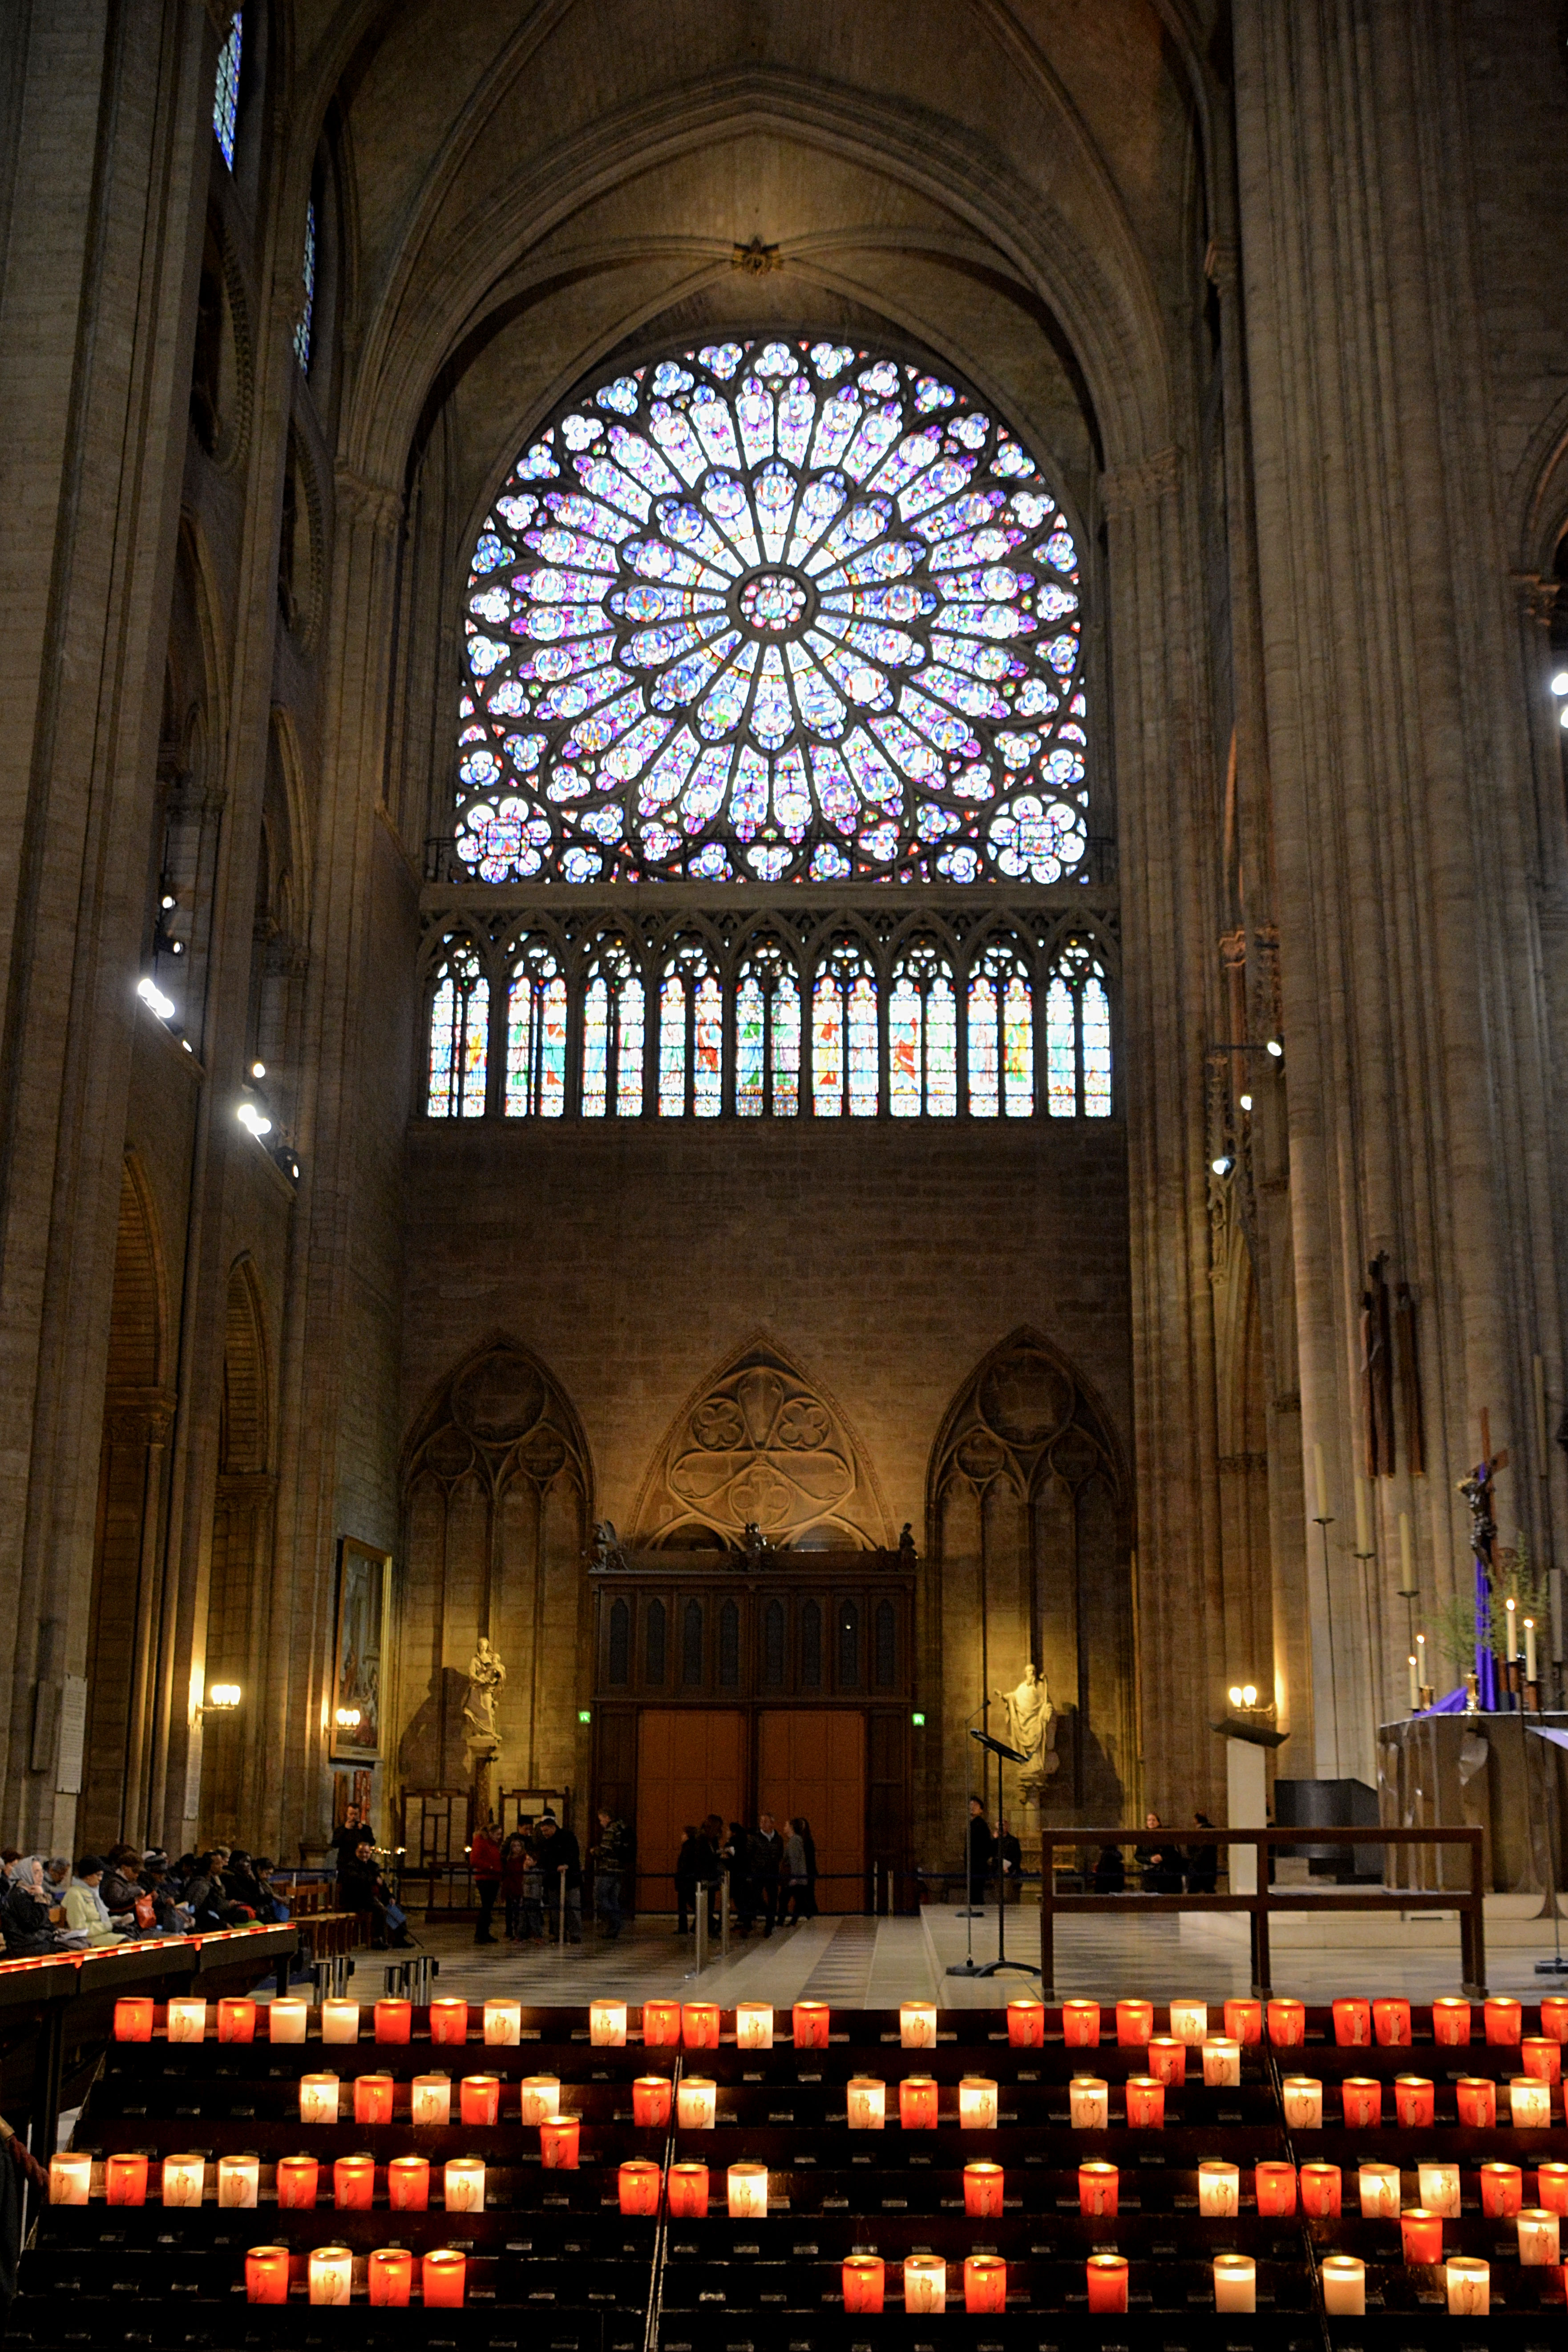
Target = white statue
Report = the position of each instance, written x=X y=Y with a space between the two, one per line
x=1032 y=1730
x=486 y=1675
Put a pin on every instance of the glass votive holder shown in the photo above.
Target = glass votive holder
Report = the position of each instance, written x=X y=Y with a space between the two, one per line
x=1080 y=2024
x=463 y=2184
x=1274 y=2185
x=408 y=2184
x=866 y=2103
x=746 y=2184
x=1528 y=2104
x=983 y=2185
x=1391 y=2022
x=1097 y=2186
x=1420 y=2235
x=607 y=2024
x=125 y=2179
x=286 y=2021
x=133 y=2019
x=864 y=2278
x=478 y=2099
x=1219 y=2189
x=1089 y=2103
x=389 y=2277
x=925 y=2283
x=1353 y=2022
x=688 y=2191
x=660 y=2024
x=917 y=2102
x=449 y=2021
x=560 y=2143
x=1303 y=2096
x=640 y=2182
x=503 y=2025
x=1502 y=2191
x=394 y=2021
x=236 y=2022
x=319 y=2098
x=1451 y=2021
x=70 y=2179
x=185 y=2179
x=1106 y=2278
x=1320 y=2191
x=1539 y=2055
x=1379 y=2187
x=1540 y=2235
x=977 y=2103
x=1287 y=2023
x=1551 y=2187
x=984 y=2283
x=1554 y=2017
x=238 y=2180
x=1476 y=2096
x=1235 y=2283
x=1437 y=2187
x=374 y=2098
x=1222 y=2063
x=340 y=2020
x=1168 y=2061
x=1344 y=2287
x=1145 y=2103
x=1362 y=2095
x=1244 y=2020
x=809 y=2021
x=696 y=2102
x=539 y=2098
x=917 y=2025
x=430 y=2100
x=331 y=2273
x=1469 y=2286
x=700 y=2024
x=1415 y=2102
x=267 y=2274
x=1026 y=2024
x=753 y=2025
x=651 y=2095
x=443 y=2276
x=1504 y=2022
x=353 y=2184
x=1190 y=2022
x=186 y=2020
x=1134 y=2023
x=298 y=2180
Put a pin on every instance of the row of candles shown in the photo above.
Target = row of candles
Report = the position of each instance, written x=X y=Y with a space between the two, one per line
x=389 y=2276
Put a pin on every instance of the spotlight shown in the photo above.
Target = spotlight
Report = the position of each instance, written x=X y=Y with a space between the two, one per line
x=152 y=994
x=258 y=1069
x=1223 y=1165
x=168 y=901
x=177 y=947
x=1274 y=1048
x=1249 y=1695
x=1234 y=1694
x=1560 y=683
x=1563 y=715
x=1247 y=1102
x=249 y=1117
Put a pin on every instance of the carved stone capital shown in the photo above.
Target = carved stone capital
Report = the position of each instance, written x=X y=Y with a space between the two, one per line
x=376 y=503
x=1537 y=597
x=1146 y=481
x=1220 y=265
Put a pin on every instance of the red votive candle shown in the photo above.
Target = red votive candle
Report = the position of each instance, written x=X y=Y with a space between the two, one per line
x=394 y=2022
x=1097 y=2187
x=1391 y=2023
x=1167 y=2061
x=1287 y=2023
x=651 y=2095
x=1321 y=2188
x=478 y=2099
x=1451 y=2021
x=660 y=2024
x=133 y=2019
x=1352 y=2023
x=299 y=2180
x=236 y=2020
x=1420 y=2235
x=1134 y=2023
x=983 y=2191
x=374 y=2094
x=984 y=2283
x=1554 y=2017
x=917 y=2102
x=125 y=2180
x=1502 y=2191
x=1551 y=2188
x=558 y=2143
x=1243 y=2020
x=1542 y=2057
x=1415 y=2102
x=353 y=2184
x=688 y=2191
x=1362 y=2097
x=865 y=2282
x=1106 y=2276
x=640 y=2182
x=267 y=2274
x=1505 y=2022
x=449 y=2021
x=390 y=2272
x=1080 y=2024
x=1274 y=2183
x=442 y=2275
x=1026 y=2024
x=700 y=2024
x=408 y=2184
x=1477 y=2097
x=809 y=2021
x=1145 y=2103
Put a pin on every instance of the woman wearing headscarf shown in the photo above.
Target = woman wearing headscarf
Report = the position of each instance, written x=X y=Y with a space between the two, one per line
x=23 y=1908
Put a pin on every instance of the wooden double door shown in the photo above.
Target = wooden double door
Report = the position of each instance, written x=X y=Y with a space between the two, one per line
x=787 y=1761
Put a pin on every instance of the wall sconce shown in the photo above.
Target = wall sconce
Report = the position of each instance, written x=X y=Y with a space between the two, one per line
x=348 y=1719
x=222 y=1698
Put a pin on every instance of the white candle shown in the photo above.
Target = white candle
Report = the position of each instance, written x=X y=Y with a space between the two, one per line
x=185 y=2179
x=503 y=2023
x=187 y=2021
x=977 y=2104
x=696 y=2101
x=1415 y=1689
x=607 y=2024
x=1222 y=2063
x=332 y=2274
x=1530 y=2103
x=1219 y=2189
x=1379 y=2185
x=541 y=2098
x=463 y=2185
x=1303 y=2103
x=238 y=2179
x=1510 y=1634
x=1322 y=1482
x=748 y=2187
x=1539 y=2235
x=866 y=2103
x=1529 y=1649
x=1089 y=2103
x=1189 y=2022
x=340 y=2020
x=1362 y=1528
x=755 y=2025
x=1439 y=2191
x=917 y=2025
x=70 y=2179
x=286 y=2021
x=925 y=2283
x=1469 y=2286
x=1344 y=2287
x=430 y=2099
x=1235 y=2283
x=319 y=2098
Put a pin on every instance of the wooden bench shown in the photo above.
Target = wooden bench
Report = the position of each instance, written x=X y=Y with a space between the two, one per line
x=329 y=1935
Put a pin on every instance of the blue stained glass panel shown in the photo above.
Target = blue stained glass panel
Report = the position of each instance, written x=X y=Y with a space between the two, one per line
x=226 y=88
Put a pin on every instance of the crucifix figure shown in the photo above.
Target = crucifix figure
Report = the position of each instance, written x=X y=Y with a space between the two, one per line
x=1477 y=1490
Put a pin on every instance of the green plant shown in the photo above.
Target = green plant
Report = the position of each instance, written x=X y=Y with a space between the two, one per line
x=1451 y=1632
x=1515 y=1577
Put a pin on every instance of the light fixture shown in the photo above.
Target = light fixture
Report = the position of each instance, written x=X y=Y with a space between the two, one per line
x=1249 y=1694
x=1223 y=1165
x=1563 y=715
x=348 y=1719
x=258 y=1069
x=152 y=995
x=1234 y=1694
x=168 y=901
x=1246 y=1102
x=1560 y=683
x=584 y=1715
x=1274 y=1046
x=222 y=1698
x=251 y=1117
x=177 y=947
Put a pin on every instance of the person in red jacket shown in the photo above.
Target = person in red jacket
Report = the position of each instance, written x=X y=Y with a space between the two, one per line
x=484 y=1861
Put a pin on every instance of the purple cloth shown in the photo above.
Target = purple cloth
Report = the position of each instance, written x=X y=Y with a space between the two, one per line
x=1453 y=1704
x=1486 y=1664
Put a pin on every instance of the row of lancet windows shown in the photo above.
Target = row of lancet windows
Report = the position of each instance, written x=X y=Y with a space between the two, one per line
x=1000 y=1039
x=225 y=126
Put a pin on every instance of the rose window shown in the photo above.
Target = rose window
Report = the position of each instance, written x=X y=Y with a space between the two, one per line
x=774 y=610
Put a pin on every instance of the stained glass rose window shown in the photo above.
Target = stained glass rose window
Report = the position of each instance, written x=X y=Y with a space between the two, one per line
x=772 y=610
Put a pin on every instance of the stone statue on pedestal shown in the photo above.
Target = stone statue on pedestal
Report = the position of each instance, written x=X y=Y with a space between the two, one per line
x=486 y=1675
x=1032 y=1730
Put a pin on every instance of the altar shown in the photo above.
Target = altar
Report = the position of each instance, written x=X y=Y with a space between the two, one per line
x=1488 y=1771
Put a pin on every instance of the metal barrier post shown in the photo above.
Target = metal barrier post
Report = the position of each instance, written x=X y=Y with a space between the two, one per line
x=701 y=1929
x=1048 y=1924
x=1261 y=1962
x=724 y=1914
x=561 y=1873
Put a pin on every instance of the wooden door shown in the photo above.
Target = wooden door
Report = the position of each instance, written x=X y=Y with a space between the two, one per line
x=813 y=1762
x=691 y=1762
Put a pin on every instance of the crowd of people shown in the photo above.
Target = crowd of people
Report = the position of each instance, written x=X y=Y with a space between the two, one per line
x=772 y=1873
x=47 y=1904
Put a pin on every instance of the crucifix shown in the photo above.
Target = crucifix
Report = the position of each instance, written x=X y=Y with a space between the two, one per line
x=1477 y=1490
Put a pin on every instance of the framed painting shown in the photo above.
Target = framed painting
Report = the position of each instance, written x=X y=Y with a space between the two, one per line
x=355 y=1725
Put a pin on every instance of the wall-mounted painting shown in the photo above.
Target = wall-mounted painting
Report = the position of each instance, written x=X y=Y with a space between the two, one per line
x=356 y=1726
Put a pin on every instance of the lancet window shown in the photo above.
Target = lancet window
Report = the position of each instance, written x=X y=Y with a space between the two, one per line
x=226 y=89
x=535 y=1034
x=690 y=1036
x=459 y=1035
x=767 y=1034
x=307 y=276
x=922 y=1036
x=1001 y=1033
x=1078 y=1036
x=845 y=1040
x=613 y=1024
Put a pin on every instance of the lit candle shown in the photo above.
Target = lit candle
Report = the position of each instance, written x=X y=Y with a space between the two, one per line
x=1510 y=1629
x=1134 y=2023
x=1274 y=2183
x=540 y=2098
x=864 y=2282
x=1322 y=1483
x=332 y=2273
x=70 y=2179
x=688 y=2191
x=559 y=2144
x=1362 y=1524
x=1235 y=2283
x=319 y=2098
x=185 y=2179
x=1362 y=2097
x=1502 y=2191
x=286 y=2021
x=984 y=2283
x=1089 y=2103
x=976 y=2104
x=1219 y=2189
x=1352 y=2023
x=1415 y=2102
x=866 y=2103
x=1505 y=2022
x=660 y=2024
x=353 y=2184
x=1026 y=2024
x=1539 y=2235
x=650 y=2101
x=808 y=2023
x=187 y=2021
x=1469 y=2286
x=1420 y=2235
x=1303 y=2099
x=1107 y=2276
x=478 y=2099
x=1421 y=1666
x=1551 y=2187
x=1391 y=2023
x=1189 y=2022
x=1097 y=2189
x=747 y=2184
x=1414 y=1683
x=925 y=2283
x=298 y=2179
x=917 y=2025
x=1222 y=2063
x=236 y=2020
x=1477 y=2098
x=503 y=2025
x=1244 y=2020
x=430 y=2100
x=340 y=2020
x=1530 y=1675
x=700 y=2024
x=238 y=2179
x=607 y=2024
x=449 y=2021
x=390 y=2277
x=1287 y=2023
x=394 y=2020
x=408 y=2184
x=640 y=2182
x=1379 y=2185
x=1542 y=2057
x=373 y=2097
x=1451 y=2021
x=1145 y=2103
x=267 y=2274
x=982 y=2186
x=1080 y=2024
x=133 y=2019
x=1554 y=2017
x=1168 y=2060
x=125 y=2179
x=1439 y=2188
x=1344 y=2287
x=753 y=2025
x=1320 y=2188
x=1530 y=2104
x=442 y=2275
x=696 y=2104
x=463 y=2184
x=917 y=2102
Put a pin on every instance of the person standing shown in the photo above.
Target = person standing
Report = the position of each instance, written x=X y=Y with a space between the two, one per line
x=980 y=1856
x=484 y=1861
x=736 y=1855
x=556 y=1847
x=612 y=1860
x=766 y=1863
x=794 y=1884
x=687 y=1875
x=809 y=1843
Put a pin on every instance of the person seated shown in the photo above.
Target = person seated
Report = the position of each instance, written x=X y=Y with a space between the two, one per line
x=84 y=1915
x=170 y=1915
x=1163 y=1864
x=56 y=1885
x=122 y=1885
x=24 y=1913
x=1110 y=1871
x=363 y=1889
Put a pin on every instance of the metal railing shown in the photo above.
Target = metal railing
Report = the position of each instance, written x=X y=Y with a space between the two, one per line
x=1270 y=1900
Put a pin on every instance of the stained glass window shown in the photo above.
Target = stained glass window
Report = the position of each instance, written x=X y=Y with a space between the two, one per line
x=769 y=610
x=307 y=272
x=690 y=1036
x=1001 y=1033
x=844 y=1056
x=1078 y=1035
x=767 y=1034
x=226 y=90
x=922 y=1036
x=536 y=1035
x=460 y=1036
x=613 y=1035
